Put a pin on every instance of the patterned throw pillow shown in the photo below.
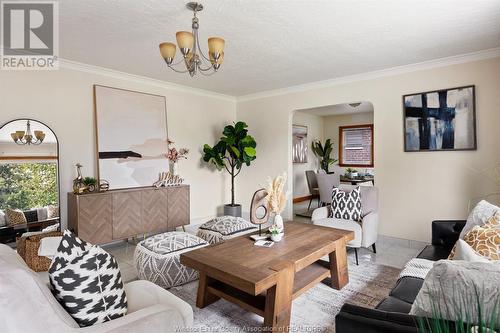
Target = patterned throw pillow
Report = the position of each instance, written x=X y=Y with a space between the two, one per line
x=346 y=205
x=87 y=282
x=15 y=216
x=52 y=211
x=484 y=239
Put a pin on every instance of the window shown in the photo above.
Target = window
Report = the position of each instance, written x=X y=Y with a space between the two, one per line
x=356 y=146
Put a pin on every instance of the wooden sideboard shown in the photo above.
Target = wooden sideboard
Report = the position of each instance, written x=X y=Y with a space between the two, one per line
x=119 y=214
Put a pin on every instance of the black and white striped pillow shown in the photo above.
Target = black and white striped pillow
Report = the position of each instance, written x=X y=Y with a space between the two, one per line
x=346 y=205
x=87 y=282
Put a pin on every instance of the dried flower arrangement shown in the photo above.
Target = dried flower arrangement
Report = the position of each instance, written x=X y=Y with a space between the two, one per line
x=173 y=154
x=276 y=197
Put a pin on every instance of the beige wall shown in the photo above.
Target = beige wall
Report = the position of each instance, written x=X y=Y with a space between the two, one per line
x=331 y=131
x=415 y=188
x=314 y=132
x=63 y=100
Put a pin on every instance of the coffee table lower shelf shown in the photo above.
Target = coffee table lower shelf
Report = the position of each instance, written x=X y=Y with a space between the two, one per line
x=303 y=280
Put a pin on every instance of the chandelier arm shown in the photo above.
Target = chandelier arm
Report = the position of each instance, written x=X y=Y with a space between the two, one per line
x=205 y=69
x=204 y=73
x=178 y=62
x=199 y=47
x=177 y=71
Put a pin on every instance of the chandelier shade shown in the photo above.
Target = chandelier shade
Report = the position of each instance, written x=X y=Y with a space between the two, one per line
x=185 y=41
x=189 y=44
x=167 y=51
x=215 y=46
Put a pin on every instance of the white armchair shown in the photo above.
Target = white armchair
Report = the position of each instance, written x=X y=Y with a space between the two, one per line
x=366 y=231
x=27 y=305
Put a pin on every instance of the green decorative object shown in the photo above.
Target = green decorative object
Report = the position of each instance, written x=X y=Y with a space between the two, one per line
x=323 y=152
x=234 y=149
x=90 y=184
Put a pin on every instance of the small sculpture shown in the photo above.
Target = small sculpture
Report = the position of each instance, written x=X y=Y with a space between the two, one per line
x=78 y=186
x=103 y=185
x=167 y=179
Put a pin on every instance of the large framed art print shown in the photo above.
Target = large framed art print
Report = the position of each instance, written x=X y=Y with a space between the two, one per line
x=440 y=120
x=131 y=129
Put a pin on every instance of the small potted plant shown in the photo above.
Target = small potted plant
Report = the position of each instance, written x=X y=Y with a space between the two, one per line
x=90 y=184
x=351 y=173
x=276 y=234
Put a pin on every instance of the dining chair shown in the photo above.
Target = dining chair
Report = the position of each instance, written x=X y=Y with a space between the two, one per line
x=312 y=184
x=326 y=183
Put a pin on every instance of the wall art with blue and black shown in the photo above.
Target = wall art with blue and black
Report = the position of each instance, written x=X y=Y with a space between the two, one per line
x=440 y=120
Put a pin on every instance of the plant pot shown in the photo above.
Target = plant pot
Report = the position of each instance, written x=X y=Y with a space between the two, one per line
x=232 y=210
x=277 y=237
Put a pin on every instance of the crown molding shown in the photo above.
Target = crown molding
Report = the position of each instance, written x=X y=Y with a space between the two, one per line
x=441 y=62
x=92 y=69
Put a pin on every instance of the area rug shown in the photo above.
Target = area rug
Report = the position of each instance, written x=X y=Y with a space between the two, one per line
x=313 y=311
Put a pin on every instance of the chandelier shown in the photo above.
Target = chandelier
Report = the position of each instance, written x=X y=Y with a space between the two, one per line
x=26 y=137
x=189 y=44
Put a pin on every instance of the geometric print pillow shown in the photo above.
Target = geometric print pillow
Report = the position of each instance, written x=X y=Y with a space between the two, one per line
x=346 y=205
x=69 y=248
x=87 y=283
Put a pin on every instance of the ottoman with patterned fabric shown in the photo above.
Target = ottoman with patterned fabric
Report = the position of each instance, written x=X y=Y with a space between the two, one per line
x=157 y=258
x=224 y=227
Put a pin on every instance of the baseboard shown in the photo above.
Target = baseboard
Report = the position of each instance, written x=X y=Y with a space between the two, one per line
x=305 y=198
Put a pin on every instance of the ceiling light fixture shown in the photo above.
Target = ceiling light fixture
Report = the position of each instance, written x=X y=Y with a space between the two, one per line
x=354 y=105
x=26 y=137
x=189 y=44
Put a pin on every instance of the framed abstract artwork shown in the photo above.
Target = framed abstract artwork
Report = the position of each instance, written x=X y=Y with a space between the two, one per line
x=440 y=120
x=299 y=148
x=131 y=130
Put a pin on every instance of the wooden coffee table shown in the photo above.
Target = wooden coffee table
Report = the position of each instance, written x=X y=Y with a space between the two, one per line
x=266 y=280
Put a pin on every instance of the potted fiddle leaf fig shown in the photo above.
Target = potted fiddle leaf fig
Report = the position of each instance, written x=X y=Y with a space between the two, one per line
x=323 y=153
x=234 y=150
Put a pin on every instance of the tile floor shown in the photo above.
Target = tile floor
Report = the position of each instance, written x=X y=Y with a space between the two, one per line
x=390 y=251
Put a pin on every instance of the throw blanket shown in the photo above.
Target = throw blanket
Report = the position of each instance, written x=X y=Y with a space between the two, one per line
x=417 y=268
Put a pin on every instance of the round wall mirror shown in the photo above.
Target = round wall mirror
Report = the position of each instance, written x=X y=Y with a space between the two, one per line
x=29 y=179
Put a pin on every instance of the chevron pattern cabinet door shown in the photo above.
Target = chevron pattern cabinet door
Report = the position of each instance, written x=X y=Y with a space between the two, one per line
x=127 y=214
x=178 y=206
x=155 y=210
x=95 y=218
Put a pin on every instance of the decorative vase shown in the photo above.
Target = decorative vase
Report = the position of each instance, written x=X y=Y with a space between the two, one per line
x=278 y=223
x=173 y=168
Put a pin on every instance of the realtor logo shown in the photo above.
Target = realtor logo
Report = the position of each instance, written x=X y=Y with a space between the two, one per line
x=29 y=35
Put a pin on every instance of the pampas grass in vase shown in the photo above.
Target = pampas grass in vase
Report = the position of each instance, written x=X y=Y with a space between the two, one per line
x=276 y=199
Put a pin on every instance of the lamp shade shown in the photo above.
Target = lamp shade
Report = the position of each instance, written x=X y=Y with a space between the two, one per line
x=216 y=46
x=219 y=60
x=39 y=135
x=185 y=41
x=167 y=51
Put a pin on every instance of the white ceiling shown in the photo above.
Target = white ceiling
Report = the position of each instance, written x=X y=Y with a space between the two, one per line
x=338 y=109
x=273 y=44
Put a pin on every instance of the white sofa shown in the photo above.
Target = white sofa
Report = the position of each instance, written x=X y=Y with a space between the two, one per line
x=366 y=231
x=27 y=305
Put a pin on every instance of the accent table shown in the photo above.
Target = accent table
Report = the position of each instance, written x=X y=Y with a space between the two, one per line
x=266 y=280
